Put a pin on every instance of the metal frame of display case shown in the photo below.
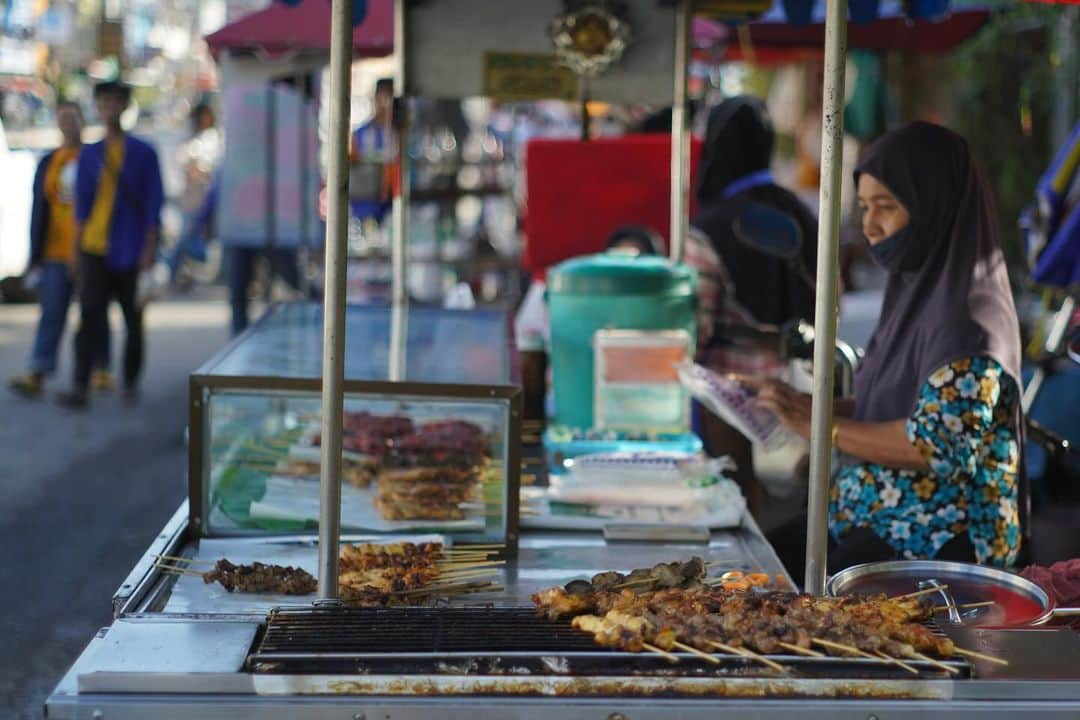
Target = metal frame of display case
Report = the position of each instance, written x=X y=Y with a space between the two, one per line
x=200 y=386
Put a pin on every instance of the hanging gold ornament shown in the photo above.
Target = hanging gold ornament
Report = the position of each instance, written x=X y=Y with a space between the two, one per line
x=590 y=39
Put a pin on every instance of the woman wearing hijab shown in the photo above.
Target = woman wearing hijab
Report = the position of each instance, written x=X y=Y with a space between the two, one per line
x=930 y=445
x=733 y=172
x=738 y=283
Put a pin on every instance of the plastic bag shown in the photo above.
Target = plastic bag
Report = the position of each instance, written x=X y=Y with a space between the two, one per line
x=152 y=284
x=734 y=403
x=674 y=480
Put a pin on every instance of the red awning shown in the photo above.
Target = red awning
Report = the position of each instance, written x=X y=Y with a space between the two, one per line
x=306 y=26
x=774 y=42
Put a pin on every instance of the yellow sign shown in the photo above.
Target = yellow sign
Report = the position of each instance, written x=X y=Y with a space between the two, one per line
x=527 y=76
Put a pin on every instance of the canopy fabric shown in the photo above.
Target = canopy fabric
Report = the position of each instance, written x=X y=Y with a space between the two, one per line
x=773 y=38
x=926 y=26
x=282 y=28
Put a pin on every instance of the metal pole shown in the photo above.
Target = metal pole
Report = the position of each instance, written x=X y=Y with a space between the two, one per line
x=821 y=420
x=680 y=134
x=1068 y=51
x=333 y=361
x=399 y=218
x=1055 y=343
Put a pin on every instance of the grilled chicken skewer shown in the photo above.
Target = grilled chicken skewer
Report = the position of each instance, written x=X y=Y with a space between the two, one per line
x=767 y=623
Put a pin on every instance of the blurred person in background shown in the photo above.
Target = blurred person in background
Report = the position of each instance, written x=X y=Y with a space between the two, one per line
x=373 y=142
x=118 y=200
x=198 y=158
x=739 y=283
x=53 y=257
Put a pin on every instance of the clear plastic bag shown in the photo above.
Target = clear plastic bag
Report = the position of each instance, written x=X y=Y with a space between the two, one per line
x=735 y=403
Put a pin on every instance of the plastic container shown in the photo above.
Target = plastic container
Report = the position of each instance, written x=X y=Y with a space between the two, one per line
x=597 y=292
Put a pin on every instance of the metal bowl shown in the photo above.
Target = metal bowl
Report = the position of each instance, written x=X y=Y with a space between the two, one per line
x=1017 y=601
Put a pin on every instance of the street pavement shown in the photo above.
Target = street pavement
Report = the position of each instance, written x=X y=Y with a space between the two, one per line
x=84 y=493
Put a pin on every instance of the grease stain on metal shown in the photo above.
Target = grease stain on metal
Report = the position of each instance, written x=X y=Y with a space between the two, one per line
x=628 y=687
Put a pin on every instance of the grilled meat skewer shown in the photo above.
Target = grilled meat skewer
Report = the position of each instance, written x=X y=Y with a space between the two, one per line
x=260 y=577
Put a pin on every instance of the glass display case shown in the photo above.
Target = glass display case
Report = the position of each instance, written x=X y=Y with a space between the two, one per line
x=437 y=453
x=442 y=346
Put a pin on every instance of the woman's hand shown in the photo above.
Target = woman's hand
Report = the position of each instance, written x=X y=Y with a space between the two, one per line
x=791 y=407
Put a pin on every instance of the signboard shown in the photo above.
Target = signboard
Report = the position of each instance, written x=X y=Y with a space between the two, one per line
x=270 y=174
x=732 y=9
x=527 y=76
x=446 y=43
x=111 y=38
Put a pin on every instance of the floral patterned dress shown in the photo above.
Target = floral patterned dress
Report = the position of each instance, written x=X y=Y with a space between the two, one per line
x=964 y=424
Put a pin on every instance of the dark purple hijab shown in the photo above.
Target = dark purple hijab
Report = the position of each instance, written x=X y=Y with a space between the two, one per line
x=948 y=293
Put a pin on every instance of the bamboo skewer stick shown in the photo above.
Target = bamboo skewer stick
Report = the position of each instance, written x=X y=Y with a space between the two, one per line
x=896 y=661
x=936 y=663
x=475 y=575
x=747 y=653
x=920 y=593
x=851 y=649
x=173 y=570
x=467 y=565
x=800 y=650
x=662 y=653
x=175 y=559
x=445 y=588
x=483 y=567
x=694 y=651
x=980 y=656
x=965 y=606
x=484 y=589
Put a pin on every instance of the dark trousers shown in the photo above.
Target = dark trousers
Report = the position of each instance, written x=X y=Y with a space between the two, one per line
x=54 y=295
x=240 y=267
x=861 y=545
x=98 y=286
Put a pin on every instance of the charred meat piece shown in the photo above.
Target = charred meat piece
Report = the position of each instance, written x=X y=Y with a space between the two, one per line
x=259 y=577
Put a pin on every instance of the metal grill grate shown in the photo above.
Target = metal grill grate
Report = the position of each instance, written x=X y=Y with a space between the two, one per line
x=481 y=641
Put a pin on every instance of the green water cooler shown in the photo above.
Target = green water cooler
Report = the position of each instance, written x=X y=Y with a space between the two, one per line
x=608 y=291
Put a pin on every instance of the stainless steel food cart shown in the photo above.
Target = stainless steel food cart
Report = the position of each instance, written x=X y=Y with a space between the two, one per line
x=179 y=648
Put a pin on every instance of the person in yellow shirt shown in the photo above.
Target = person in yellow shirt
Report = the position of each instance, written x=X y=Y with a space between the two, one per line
x=52 y=255
x=118 y=200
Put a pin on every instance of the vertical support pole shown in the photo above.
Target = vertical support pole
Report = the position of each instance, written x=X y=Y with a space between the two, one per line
x=1068 y=70
x=399 y=218
x=680 y=134
x=333 y=360
x=828 y=268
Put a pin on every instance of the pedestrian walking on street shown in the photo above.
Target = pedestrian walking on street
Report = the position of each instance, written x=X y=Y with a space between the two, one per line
x=118 y=199
x=199 y=158
x=53 y=256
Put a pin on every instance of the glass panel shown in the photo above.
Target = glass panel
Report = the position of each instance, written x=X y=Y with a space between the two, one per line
x=446 y=346
x=411 y=463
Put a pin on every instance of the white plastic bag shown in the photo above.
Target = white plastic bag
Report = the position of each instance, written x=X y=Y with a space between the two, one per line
x=152 y=284
x=658 y=479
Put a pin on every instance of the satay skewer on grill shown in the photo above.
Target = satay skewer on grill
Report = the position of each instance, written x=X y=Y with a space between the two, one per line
x=981 y=656
x=806 y=652
x=868 y=626
x=936 y=663
x=694 y=651
x=256 y=577
x=896 y=661
x=745 y=652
